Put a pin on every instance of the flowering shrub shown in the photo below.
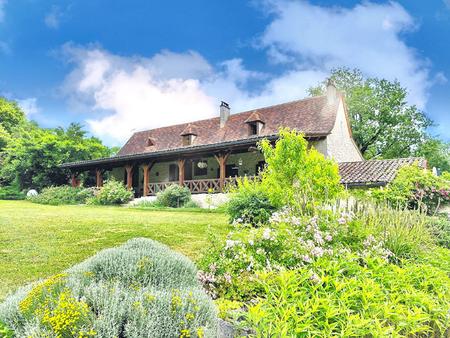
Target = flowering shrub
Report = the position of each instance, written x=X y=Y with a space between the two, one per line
x=112 y=192
x=141 y=289
x=341 y=265
x=62 y=195
x=415 y=188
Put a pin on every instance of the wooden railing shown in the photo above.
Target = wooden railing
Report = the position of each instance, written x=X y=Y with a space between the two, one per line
x=197 y=186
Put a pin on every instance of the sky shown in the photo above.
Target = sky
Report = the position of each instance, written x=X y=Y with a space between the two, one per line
x=122 y=66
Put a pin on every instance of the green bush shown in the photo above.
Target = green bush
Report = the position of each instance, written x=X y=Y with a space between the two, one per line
x=440 y=229
x=296 y=175
x=340 y=297
x=414 y=187
x=140 y=289
x=249 y=204
x=62 y=195
x=11 y=193
x=112 y=192
x=174 y=196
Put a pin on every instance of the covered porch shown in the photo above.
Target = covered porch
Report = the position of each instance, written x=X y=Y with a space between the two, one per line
x=200 y=170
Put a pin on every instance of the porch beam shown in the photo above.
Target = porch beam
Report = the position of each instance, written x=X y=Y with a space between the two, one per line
x=222 y=160
x=147 y=167
x=129 y=169
x=181 y=163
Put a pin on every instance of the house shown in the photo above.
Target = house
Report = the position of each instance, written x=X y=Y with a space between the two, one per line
x=207 y=155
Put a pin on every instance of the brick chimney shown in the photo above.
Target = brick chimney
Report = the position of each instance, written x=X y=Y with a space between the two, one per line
x=331 y=92
x=224 y=113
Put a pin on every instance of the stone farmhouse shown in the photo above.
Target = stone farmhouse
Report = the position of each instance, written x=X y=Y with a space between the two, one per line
x=208 y=155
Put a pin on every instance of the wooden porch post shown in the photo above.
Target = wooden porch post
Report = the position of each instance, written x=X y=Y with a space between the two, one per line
x=222 y=160
x=147 y=167
x=129 y=169
x=181 y=171
x=99 y=174
x=73 y=180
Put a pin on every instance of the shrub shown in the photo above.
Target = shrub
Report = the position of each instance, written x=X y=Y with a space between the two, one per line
x=62 y=195
x=174 y=196
x=296 y=174
x=112 y=192
x=341 y=297
x=249 y=203
x=414 y=187
x=140 y=289
x=440 y=229
x=11 y=193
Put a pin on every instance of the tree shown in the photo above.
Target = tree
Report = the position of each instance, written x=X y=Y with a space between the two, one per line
x=436 y=152
x=383 y=123
x=11 y=118
x=32 y=160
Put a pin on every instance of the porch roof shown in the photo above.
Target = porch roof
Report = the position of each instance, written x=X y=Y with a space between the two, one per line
x=169 y=154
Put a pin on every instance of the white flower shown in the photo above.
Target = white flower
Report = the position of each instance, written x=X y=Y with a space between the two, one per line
x=318 y=238
x=227 y=277
x=342 y=221
x=317 y=251
x=266 y=233
x=307 y=259
x=250 y=241
x=230 y=243
x=315 y=278
x=328 y=238
x=261 y=251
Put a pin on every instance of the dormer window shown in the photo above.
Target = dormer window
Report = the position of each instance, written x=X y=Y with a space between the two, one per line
x=150 y=142
x=188 y=135
x=188 y=139
x=255 y=124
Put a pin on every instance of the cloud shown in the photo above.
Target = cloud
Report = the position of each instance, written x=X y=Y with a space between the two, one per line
x=302 y=43
x=52 y=19
x=29 y=106
x=2 y=9
x=367 y=36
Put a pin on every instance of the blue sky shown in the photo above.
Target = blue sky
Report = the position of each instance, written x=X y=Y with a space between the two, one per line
x=123 y=66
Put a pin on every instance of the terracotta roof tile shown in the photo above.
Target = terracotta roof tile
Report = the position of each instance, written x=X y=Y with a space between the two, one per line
x=374 y=172
x=312 y=116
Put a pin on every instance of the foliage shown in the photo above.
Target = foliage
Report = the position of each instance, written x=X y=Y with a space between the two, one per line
x=340 y=297
x=249 y=203
x=437 y=153
x=141 y=289
x=112 y=192
x=440 y=229
x=5 y=332
x=174 y=196
x=414 y=187
x=11 y=193
x=62 y=195
x=33 y=158
x=293 y=171
x=43 y=240
x=339 y=268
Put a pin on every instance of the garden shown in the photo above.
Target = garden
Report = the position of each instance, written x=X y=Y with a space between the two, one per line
x=292 y=254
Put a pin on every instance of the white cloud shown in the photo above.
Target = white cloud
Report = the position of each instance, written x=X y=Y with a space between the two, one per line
x=128 y=93
x=367 y=36
x=29 y=106
x=52 y=19
x=2 y=9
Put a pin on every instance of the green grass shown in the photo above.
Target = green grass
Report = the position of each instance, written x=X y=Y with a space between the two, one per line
x=37 y=241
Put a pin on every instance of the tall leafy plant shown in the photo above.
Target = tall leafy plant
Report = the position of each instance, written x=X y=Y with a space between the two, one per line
x=296 y=172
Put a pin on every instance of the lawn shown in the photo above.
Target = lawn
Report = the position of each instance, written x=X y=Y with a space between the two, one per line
x=37 y=241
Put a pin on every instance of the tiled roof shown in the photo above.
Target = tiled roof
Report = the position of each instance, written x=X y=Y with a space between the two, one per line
x=374 y=172
x=312 y=116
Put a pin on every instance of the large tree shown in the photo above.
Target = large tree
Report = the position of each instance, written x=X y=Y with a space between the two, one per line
x=32 y=160
x=384 y=124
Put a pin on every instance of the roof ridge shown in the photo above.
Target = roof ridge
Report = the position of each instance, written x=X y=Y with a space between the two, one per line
x=388 y=159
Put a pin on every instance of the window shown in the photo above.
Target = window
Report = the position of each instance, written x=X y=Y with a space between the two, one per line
x=202 y=169
x=150 y=142
x=254 y=128
x=188 y=139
